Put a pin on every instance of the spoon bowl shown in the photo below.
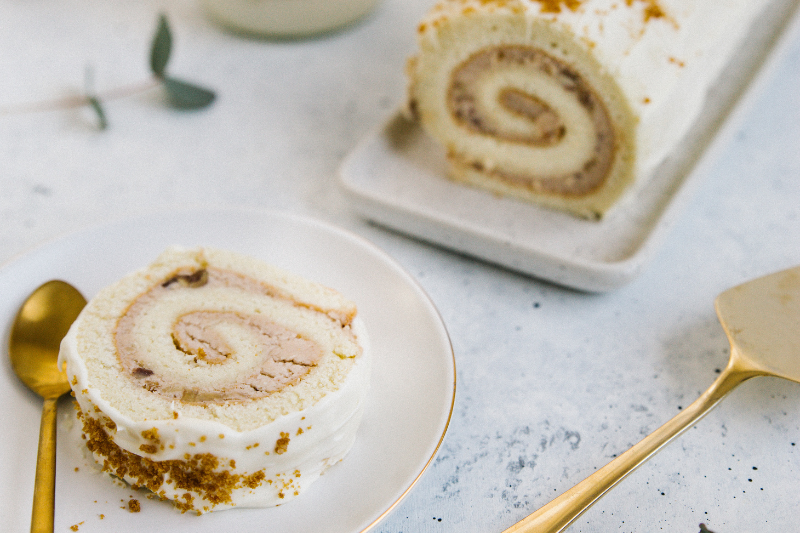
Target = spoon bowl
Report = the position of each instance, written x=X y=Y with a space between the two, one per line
x=762 y=321
x=40 y=324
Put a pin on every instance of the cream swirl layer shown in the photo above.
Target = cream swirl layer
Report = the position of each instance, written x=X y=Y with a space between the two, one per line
x=216 y=381
x=549 y=117
x=206 y=336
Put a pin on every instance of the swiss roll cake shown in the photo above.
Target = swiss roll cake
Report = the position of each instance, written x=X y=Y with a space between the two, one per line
x=216 y=381
x=567 y=103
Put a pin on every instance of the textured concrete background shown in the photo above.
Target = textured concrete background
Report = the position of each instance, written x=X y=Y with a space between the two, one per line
x=552 y=383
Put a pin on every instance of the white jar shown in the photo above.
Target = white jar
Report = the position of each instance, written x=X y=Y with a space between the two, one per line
x=287 y=18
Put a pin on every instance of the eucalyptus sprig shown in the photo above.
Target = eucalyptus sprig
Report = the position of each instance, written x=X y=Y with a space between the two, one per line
x=182 y=95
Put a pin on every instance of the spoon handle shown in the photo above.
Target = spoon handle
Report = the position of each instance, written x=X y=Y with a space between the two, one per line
x=42 y=517
x=563 y=510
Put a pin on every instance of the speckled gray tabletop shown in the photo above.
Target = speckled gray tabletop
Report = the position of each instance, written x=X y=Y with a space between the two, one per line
x=551 y=383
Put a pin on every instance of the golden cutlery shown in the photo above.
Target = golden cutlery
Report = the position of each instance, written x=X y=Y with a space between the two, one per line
x=762 y=321
x=41 y=323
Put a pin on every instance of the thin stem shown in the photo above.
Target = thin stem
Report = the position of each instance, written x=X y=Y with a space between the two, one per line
x=80 y=101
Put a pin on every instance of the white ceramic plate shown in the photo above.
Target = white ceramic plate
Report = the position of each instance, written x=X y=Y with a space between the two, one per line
x=409 y=404
x=396 y=177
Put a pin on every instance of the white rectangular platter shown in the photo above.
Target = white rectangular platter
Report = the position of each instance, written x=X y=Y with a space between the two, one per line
x=397 y=178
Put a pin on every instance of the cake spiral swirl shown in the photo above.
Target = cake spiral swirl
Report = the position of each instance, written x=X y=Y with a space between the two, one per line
x=542 y=111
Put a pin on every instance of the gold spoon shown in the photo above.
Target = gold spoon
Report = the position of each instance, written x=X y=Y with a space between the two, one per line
x=36 y=335
x=762 y=321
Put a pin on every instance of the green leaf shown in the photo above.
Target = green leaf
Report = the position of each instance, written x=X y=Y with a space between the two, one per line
x=185 y=95
x=162 y=46
x=94 y=102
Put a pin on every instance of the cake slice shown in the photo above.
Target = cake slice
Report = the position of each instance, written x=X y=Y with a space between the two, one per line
x=216 y=380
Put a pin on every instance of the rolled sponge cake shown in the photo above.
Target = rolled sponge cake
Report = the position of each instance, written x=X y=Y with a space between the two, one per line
x=566 y=103
x=216 y=380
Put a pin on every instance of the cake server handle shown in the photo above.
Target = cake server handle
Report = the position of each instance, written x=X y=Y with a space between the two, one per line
x=557 y=515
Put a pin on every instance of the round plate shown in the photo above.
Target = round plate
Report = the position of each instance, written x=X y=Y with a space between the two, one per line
x=409 y=404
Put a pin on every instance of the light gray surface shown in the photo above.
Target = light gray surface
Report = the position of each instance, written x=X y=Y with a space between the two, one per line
x=551 y=383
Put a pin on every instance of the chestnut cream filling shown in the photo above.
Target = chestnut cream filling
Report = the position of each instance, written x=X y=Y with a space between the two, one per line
x=200 y=339
x=528 y=118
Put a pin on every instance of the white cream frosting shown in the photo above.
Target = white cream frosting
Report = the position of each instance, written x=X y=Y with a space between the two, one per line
x=278 y=444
